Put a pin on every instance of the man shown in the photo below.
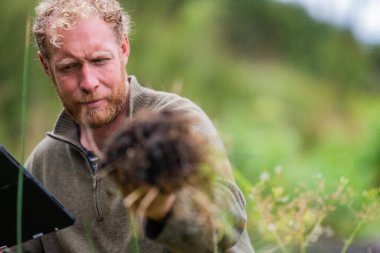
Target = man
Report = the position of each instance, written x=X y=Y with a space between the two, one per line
x=84 y=49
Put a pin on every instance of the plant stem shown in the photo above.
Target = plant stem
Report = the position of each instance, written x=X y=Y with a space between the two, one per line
x=349 y=241
x=135 y=233
x=280 y=243
x=89 y=239
x=23 y=131
x=303 y=246
x=307 y=240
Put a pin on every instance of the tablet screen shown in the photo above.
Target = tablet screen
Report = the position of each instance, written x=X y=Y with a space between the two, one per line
x=42 y=213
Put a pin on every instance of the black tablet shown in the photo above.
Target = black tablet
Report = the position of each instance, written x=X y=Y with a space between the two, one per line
x=41 y=213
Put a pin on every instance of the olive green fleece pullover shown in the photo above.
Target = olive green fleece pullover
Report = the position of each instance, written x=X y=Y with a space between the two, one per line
x=102 y=224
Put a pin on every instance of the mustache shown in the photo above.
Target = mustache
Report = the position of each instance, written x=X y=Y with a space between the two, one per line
x=86 y=98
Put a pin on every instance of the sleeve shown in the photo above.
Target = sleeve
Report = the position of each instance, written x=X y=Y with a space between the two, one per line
x=186 y=229
x=32 y=246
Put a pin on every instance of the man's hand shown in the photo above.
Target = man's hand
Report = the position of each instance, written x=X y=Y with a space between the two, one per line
x=149 y=202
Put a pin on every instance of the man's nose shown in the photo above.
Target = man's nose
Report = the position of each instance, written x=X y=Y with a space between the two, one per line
x=89 y=81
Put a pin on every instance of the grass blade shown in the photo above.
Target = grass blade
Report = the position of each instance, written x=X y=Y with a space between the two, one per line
x=23 y=133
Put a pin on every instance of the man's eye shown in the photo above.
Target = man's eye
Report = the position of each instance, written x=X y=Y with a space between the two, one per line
x=68 y=67
x=100 y=61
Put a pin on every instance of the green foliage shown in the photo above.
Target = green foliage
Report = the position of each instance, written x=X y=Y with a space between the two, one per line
x=266 y=29
x=284 y=90
x=293 y=218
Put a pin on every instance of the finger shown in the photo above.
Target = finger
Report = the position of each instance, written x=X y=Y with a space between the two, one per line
x=133 y=197
x=147 y=201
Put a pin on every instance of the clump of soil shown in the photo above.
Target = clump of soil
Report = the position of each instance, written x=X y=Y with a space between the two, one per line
x=156 y=149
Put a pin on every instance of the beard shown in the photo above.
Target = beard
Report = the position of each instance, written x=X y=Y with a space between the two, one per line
x=96 y=117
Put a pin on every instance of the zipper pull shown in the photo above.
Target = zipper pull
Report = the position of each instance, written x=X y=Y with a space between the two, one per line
x=94 y=183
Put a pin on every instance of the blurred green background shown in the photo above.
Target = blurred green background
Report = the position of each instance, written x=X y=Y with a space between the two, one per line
x=283 y=89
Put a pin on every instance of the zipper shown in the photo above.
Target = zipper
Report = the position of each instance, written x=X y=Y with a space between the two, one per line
x=94 y=182
x=94 y=188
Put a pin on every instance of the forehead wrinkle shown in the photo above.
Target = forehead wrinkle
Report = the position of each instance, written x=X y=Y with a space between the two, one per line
x=83 y=47
x=61 y=54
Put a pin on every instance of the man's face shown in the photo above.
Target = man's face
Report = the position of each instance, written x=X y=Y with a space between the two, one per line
x=88 y=71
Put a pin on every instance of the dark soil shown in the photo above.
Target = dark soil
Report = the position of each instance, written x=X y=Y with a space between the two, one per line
x=156 y=149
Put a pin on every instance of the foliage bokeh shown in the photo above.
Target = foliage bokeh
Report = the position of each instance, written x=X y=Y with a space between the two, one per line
x=283 y=89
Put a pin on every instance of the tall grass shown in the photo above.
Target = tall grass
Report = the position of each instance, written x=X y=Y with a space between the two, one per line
x=23 y=133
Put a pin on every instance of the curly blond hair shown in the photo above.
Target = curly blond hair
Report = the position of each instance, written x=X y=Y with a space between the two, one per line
x=52 y=15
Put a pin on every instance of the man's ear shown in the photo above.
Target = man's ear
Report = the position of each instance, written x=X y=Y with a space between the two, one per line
x=44 y=63
x=125 y=49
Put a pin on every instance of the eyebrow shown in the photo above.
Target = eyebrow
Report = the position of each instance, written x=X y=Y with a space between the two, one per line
x=102 y=54
x=65 y=61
